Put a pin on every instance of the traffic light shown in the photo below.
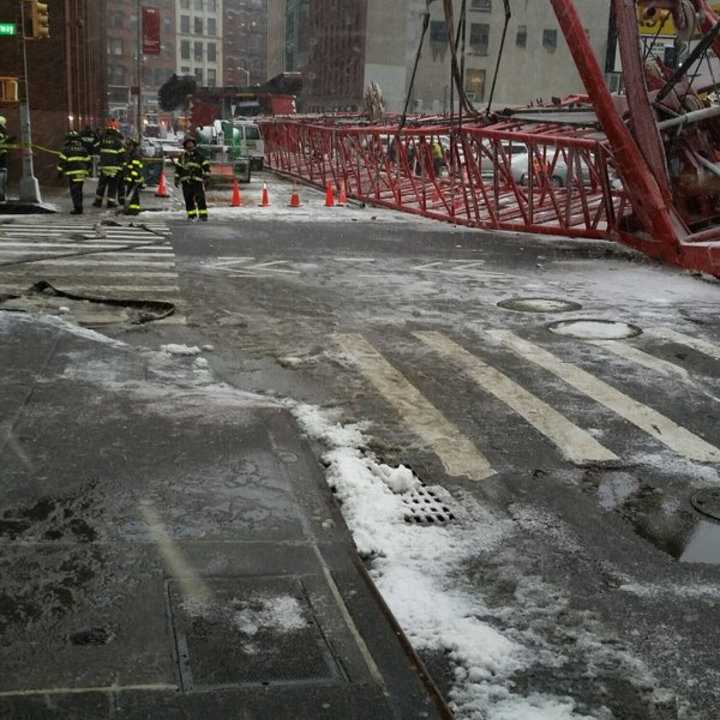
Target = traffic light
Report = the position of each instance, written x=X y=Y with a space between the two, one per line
x=8 y=89
x=40 y=20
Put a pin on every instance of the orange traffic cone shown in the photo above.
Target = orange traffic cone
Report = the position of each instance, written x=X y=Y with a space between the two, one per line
x=235 y=201
x=329 y=196
x=295 y=199
x=265 y=202
x=162 y=191
x=342 y=199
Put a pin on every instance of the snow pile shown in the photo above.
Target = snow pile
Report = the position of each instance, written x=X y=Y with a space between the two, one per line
x=180 y=349
x=416 y=568
x=10 y=319
x=281 y=614
x=422 y=571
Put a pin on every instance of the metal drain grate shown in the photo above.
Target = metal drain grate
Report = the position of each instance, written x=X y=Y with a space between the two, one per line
x=426 y=507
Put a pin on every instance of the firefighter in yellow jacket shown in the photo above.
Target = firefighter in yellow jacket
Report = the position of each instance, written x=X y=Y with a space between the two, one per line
x=134 y=178
x=192 y=171
x=75 y=165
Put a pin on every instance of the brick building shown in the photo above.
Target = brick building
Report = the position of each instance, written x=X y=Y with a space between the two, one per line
x=245 y=42
x=122 y=58
x=66 y=76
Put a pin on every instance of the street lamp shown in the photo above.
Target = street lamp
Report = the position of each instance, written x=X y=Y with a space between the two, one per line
x=247 y=75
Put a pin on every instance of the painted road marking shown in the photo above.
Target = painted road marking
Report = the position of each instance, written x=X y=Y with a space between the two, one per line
x=59 y=272
x=94 y=262
x=105 y=245
x=703 y=346
x=652 y=422
x=628 y=352
x=80 y=289
x=575 y=444
x=456 y=452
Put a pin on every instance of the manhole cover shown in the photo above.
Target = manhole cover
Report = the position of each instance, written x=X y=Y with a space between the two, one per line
x=707 y=502
x=426 y=507
x=539 y=305
x=594 y=329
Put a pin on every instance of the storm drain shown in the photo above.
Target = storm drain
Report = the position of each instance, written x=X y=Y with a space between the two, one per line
x=426 y=507
x=539 y=305
x=707 y=502
x=592 y=329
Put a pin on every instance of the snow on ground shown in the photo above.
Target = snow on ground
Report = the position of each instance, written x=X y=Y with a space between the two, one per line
x=280 y=614
x=180 y=349
x=10 y=319
x=419 y=572
x=594 y=329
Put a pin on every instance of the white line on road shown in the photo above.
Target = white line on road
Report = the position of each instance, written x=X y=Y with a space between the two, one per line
x=95 y=263
x=575 y=444
x=456 y=452
x=52 y=253
x=70 y=273
x=104 y=245
x=80 y=289
x=652 y=422
x=628 y=352
x=703 y=346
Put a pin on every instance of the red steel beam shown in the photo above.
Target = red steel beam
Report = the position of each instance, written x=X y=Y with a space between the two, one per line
x=659 y=219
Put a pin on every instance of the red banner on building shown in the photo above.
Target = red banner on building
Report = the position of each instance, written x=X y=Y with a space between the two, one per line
x=151 y=31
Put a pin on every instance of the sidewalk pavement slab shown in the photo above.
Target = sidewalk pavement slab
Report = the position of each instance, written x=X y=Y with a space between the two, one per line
x=170 y=549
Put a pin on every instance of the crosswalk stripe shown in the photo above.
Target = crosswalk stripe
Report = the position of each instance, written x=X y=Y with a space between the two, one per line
x=79 y=289
x=456 y=452
x=575 y=444
x=94 y=262
x=60 y=273
x=703 y=346
x=628 y=352
x=79 y=248
x=652 y=422
x=105 y=245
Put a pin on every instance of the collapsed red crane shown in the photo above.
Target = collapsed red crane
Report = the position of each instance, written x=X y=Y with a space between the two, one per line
x=640 y=168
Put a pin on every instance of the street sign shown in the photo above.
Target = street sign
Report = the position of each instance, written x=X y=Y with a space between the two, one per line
x=8 y=29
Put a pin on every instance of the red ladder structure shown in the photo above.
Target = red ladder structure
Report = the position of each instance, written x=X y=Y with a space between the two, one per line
x=639 y=169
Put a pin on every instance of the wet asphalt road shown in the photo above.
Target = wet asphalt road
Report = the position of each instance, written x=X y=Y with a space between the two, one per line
x=321 y=311
x=287 y=303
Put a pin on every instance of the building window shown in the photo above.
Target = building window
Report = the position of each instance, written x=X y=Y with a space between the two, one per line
x=117 y=75
x=167 y=24
x=550 y=40
x=117 y=21
x=199 y=75
x=185 y=24
x=521 y=37
x=198 y=4
x=211 y=5
x=184 y=4
x=212 y=77
x=185 y=49
x=185 y=70
x=479 y=38
x=198 y=55
x=211 y=53
x=481 y=5
x=115 y=46
x=475 y=84
x=211 y=26
x=160 y=76
x=198 y=26
x=438 y=31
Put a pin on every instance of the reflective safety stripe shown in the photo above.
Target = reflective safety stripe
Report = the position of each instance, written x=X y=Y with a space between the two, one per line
x=192 y=213
x=110 y=151
x=76 y=158
x=76 y=172
x=202 y=212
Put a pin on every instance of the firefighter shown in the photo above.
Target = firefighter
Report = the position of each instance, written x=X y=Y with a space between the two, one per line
x=90 y=141
x=133 y=175
x=192 y=170
x=75 y=165
x=112 y=158
x=4 y=141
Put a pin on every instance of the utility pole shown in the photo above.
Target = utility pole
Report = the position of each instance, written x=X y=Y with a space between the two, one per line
x=29 y=186
x=140 y=123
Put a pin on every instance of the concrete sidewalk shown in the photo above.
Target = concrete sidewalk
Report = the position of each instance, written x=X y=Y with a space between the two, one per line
x=170 y=548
